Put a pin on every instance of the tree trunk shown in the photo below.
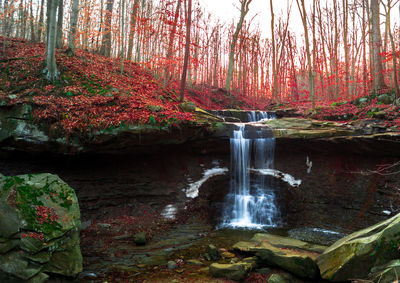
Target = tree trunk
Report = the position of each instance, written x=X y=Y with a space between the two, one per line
x=132 y=28
x=59 y=41
x=40 y=26
x=170 y=51
x=379 y=82
x=33 y=36
x=274 y=75
x=106 y=43
x=243 y=12
x=122 y=36
x=303 y=14
x=187 y=50
x=346 y=47
x=51 y=67
x=73 y=25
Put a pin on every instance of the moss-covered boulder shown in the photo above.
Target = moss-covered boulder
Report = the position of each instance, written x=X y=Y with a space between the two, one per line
x=40 y=224
x=355 y=255
x=292 y=255
x=234 y=271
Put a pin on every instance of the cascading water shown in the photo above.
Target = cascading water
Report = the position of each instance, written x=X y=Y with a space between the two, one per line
x=254 y=116
x=251 y=202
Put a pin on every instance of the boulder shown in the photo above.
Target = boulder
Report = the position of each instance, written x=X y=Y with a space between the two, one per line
x=40 y=220
x=387 y=273
x=292 y=255
x=140 y=239
x=355 y=255
x=234 y=271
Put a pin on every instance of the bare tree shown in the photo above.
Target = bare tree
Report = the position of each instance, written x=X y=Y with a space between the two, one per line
x=388 y=7
x=187 y=50
x=274 y=74
x=379 y=81
x=59 y=40
x=244 y=9
x=73 y=25
x=106 y=43
x=51 y=67
x=132 y=28
x=303 y=14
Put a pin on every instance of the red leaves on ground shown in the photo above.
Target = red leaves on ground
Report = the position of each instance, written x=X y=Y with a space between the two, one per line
x=91 y=94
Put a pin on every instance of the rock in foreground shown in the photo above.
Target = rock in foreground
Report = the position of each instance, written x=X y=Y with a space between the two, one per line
x=355 y=255
x=234 y=271
x=40 y=224
x=291 y=255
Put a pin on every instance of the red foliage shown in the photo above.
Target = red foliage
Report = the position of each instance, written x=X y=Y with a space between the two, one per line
x=92 y=93
x=45 y=214
x=34 y=235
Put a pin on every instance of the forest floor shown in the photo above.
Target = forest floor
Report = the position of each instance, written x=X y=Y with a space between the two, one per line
x=92 y=93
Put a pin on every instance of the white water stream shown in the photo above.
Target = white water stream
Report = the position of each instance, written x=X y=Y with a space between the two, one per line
x=251 y=202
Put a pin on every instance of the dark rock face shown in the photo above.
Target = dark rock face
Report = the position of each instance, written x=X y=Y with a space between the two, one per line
x=107 y=185
x=340 y=192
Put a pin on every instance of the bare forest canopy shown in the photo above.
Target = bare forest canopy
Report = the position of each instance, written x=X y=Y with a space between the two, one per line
x=347 y=49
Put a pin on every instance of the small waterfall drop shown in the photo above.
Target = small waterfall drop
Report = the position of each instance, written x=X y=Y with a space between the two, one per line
x=251 y=202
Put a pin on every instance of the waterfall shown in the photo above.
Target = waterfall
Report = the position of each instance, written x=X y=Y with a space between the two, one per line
x=255 y=116
x=251 y=202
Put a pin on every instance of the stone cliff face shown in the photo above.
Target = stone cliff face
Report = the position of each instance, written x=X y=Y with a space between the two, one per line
x=336 y=163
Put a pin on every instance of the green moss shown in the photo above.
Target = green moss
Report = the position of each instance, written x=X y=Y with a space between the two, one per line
x=29 y=197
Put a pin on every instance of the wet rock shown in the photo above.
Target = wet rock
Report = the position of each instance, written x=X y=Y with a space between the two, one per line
x=307 y=128
x=289 y=254
x=46 y=209
x=387 y=273
x=172 y=265
x=276 y=278
x=355 y=255
x=316 y=235
x=236 y=271
x=212 y=252
x=232 y=120
x=140 y=239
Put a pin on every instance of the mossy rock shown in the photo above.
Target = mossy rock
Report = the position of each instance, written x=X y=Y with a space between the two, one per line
x=235 y=271
x=292 y=255
x=355 y=255
x=40 y=220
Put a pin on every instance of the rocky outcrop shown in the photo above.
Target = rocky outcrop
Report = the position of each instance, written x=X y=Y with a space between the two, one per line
x=19 y=131
x=355 y=255
x=292 y=255
x=40 y=224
